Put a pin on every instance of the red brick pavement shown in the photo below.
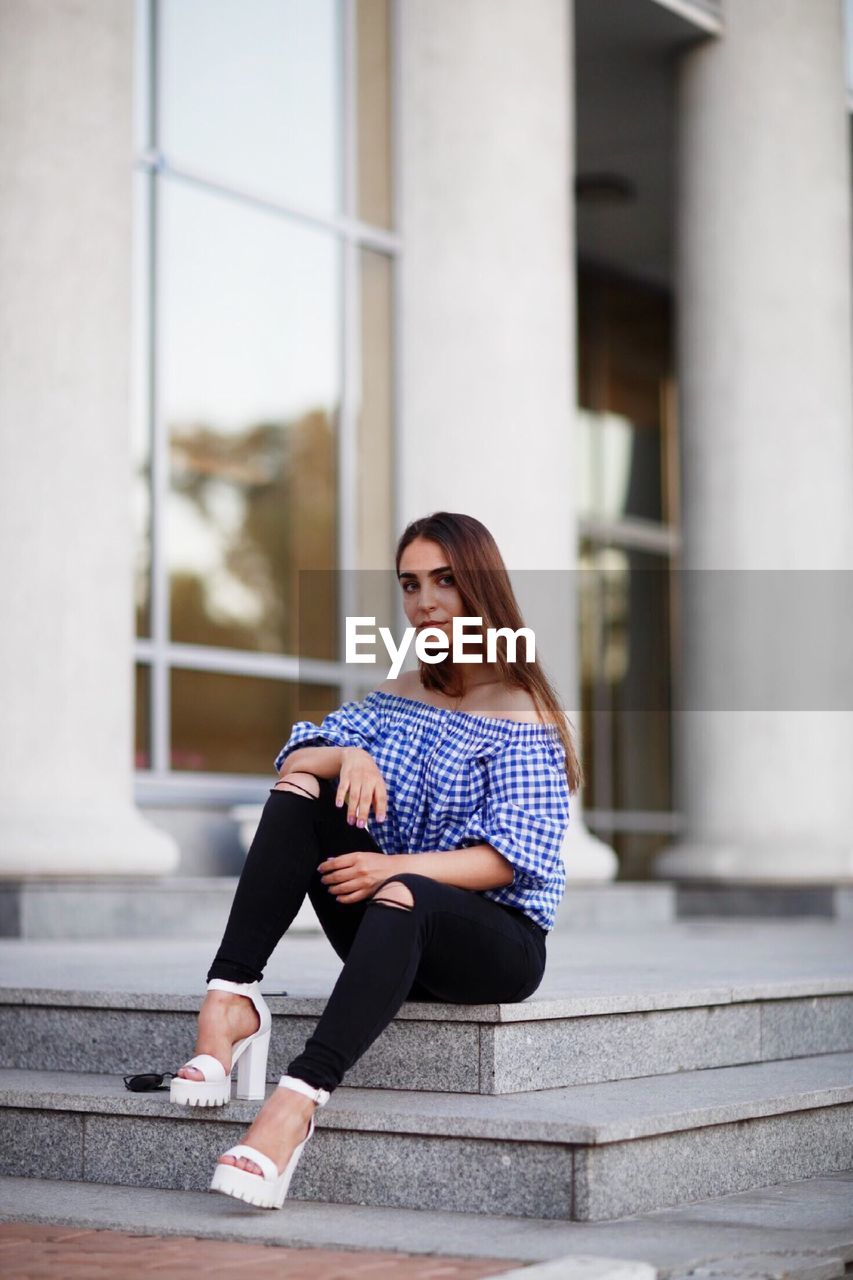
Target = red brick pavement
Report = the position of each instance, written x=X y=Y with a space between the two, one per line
x=32 y=1252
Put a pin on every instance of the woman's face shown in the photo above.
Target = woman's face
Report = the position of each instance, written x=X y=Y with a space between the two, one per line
x=430 y=597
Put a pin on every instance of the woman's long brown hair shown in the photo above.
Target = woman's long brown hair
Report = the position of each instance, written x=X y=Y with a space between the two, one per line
x=483 y=583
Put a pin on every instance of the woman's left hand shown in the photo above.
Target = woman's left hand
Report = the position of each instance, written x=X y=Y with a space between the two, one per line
x=354 y=876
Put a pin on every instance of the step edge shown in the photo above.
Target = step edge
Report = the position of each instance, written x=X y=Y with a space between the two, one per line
x=348 y=1115
x=529 y=1010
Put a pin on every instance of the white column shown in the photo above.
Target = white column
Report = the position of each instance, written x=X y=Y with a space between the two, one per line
x=487 y=324
x=65 y=534
x=765 y=375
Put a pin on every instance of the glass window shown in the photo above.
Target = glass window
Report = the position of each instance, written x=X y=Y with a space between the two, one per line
x=636 y=850
x=375 y=433
x=373 y=87
x=629 y=501
x=232 y=724
x=626 y=678
x=620 y=467
x=142 y=693
x=263 y=381
x=250 y=313
x=141 y=407
x=624 y=343
x=250 y=94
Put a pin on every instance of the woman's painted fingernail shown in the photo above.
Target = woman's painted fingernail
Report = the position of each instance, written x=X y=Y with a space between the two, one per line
x=350 y=819
x=360 y=822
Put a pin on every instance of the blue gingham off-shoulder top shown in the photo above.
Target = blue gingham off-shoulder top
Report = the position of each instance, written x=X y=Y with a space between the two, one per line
x=456 y=779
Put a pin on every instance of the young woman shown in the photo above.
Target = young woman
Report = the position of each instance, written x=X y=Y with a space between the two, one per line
x=467 y=770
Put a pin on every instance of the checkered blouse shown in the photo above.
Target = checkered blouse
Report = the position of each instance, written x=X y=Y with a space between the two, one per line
x=455 y=779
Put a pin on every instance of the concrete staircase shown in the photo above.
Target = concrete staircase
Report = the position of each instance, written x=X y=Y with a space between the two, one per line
x=617 y=1089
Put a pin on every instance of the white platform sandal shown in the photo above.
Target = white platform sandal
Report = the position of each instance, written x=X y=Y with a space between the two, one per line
x=248 y=1055
x=269 y=1191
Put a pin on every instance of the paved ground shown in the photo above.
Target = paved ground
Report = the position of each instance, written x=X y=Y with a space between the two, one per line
x=31 y=1252
x=793 y=1226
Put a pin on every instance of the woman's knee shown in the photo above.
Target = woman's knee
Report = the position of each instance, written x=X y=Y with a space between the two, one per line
x=300 y=784
x=399 y=891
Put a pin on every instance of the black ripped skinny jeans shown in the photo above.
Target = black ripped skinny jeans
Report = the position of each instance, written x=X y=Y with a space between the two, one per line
x=453 y=945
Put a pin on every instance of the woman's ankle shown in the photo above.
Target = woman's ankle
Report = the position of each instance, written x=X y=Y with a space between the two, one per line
x=228 y=1000
x=231 y=973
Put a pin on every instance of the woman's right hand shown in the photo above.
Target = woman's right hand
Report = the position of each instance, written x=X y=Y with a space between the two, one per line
x=361 y=786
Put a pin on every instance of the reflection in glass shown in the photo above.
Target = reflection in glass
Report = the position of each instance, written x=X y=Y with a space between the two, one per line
x=376 y=439
x=373 y=106
x=250 y=377
x=249 y=92
x=315 y=701
x=625 y=678
x=234 y=724
x=624 y=369
x=142 y=695
x=619 y=467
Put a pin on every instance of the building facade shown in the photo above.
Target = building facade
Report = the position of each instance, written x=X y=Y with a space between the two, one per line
x=280 y=277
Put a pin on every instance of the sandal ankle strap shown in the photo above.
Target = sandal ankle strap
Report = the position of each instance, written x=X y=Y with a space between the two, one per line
x=238 y=988
x=320 y=1096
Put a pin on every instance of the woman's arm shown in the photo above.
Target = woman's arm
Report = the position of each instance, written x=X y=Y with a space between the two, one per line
x=480 y=866
x=325 y=762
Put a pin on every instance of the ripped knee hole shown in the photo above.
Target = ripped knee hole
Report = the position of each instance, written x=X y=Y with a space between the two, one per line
x=286 y=784
x=400 y=895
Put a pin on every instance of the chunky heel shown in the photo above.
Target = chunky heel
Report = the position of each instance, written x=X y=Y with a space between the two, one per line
x=252 y=1069
x=248 y=1055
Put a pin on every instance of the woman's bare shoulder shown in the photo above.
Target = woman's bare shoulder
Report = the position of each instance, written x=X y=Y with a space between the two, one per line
x=406 y=685
x=516 y=704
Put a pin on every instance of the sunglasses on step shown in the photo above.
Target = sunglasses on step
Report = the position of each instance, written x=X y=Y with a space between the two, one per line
x=147 y=1081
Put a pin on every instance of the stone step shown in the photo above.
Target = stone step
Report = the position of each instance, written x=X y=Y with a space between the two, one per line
x=534 y=1044
x=585 y=1153
x=800 y=1230
x=697 y=899
x=80 y=907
